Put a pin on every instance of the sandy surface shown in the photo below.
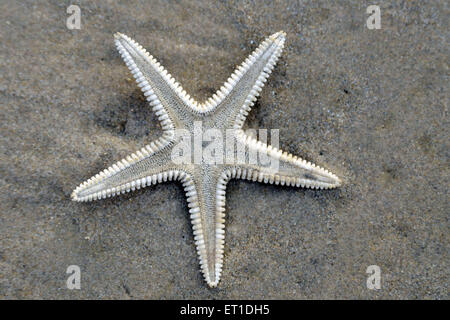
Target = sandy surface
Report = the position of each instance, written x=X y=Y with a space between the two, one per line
x=370 y=105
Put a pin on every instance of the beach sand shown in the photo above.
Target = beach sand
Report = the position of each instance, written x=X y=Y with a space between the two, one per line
x=369 y=105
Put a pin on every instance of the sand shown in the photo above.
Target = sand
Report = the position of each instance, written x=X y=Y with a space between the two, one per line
x=370 y=105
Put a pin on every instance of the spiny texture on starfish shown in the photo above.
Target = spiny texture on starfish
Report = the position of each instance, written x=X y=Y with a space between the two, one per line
x=204 y=183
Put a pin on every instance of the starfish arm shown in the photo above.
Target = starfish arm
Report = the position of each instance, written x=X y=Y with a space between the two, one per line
x=235 y=98
x=206 y=197
x=164 y=94
x=281 y=167
x=145 y=167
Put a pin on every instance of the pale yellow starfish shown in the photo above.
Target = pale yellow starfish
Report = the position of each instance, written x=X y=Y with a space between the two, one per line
x=204 y=182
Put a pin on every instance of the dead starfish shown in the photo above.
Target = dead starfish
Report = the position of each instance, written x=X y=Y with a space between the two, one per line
x=204 y=182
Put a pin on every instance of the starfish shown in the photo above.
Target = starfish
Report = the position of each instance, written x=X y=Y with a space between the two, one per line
x=204 y=181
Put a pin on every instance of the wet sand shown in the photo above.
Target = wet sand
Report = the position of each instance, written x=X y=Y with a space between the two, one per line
x=370 y=105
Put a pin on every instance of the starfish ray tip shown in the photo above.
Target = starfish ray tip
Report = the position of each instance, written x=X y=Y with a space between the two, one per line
x=213 y=284
x=73 y=196
x=117 y=35
x=280 y=35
